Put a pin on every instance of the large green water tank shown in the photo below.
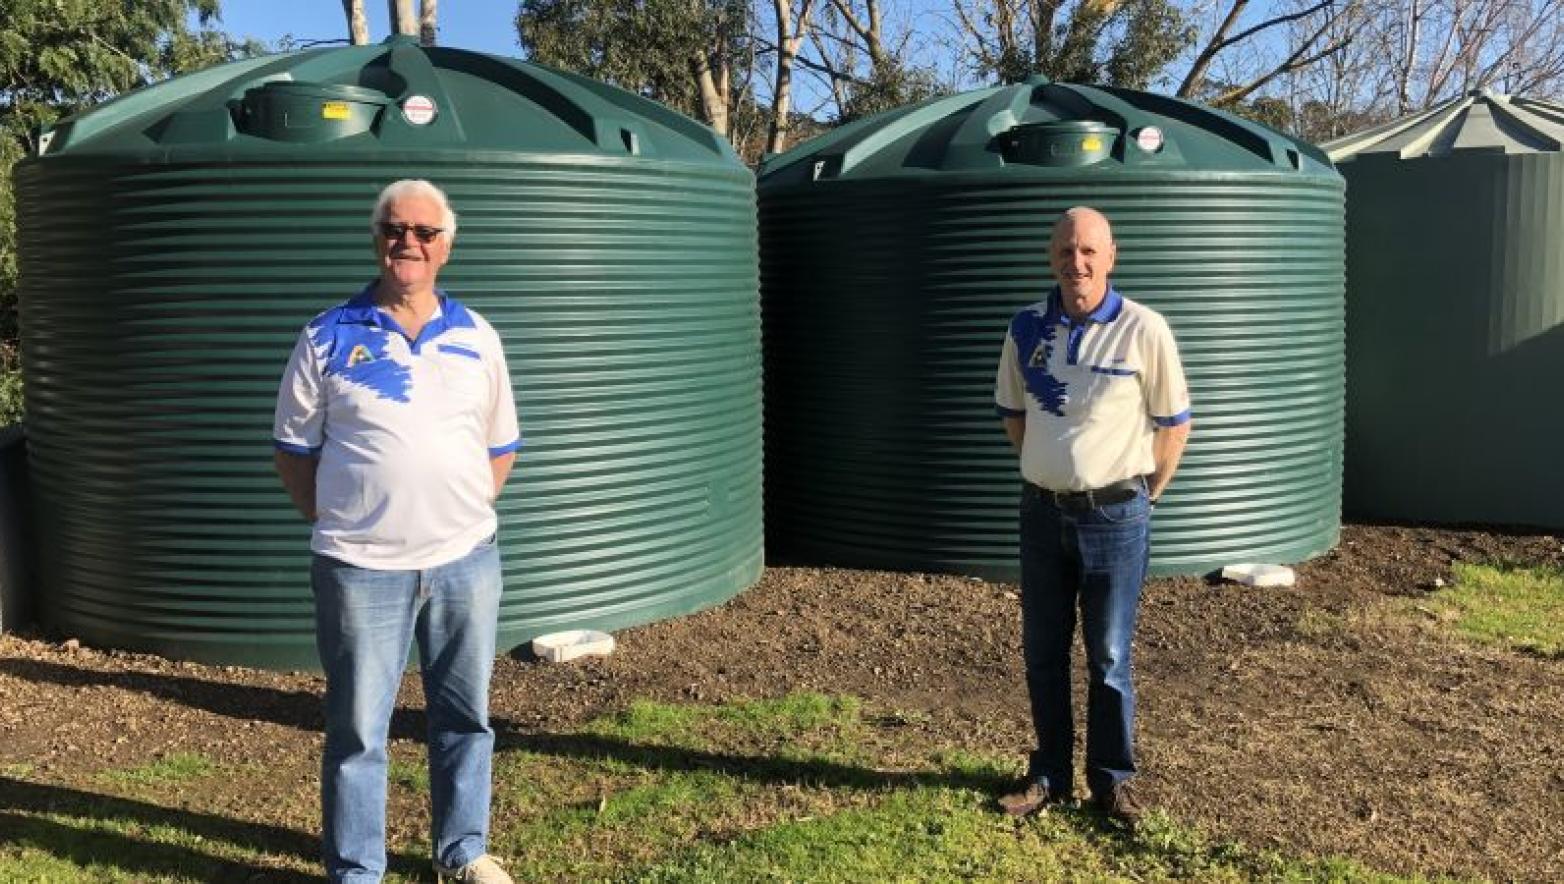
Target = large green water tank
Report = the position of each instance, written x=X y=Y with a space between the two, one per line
x=175 y=241
x=894 y=252
x=1455 y=313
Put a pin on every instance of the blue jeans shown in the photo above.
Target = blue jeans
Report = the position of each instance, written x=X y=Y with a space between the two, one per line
x=1095 y=560
x=364 y=622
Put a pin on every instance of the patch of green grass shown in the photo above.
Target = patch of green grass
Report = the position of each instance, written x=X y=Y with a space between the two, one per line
x=1521 y=608
x=651 y=722
x=942 y=834
x=410 y=774
x=799 y=788
x=176 y=767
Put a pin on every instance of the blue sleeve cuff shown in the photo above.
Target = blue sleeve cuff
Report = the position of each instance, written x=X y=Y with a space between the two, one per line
x=301 y=450
x=1009 y=412
x=1180 y=418
x=505 y=449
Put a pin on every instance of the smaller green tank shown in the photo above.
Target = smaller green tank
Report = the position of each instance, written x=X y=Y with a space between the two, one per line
x=1455 y=313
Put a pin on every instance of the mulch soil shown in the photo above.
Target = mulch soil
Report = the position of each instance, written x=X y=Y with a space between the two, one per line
x=1338 y=717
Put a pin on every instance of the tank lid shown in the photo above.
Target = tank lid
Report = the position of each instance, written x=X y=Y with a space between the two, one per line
x=1049 y=129
x=1479 y=122
x=363 y=100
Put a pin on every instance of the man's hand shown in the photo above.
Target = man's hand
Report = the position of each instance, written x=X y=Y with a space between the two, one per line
x=1015 y=431
x=501 y=467
x=1167 y=448
x=298 y=476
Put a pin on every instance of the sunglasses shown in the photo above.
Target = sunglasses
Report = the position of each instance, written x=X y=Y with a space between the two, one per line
x=395 y=232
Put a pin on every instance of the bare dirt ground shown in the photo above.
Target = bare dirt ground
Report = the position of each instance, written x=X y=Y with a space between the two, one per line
x=1337 y=717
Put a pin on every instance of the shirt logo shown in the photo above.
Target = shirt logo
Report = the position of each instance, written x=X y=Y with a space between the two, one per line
x=359 y=354
x=1039 y=356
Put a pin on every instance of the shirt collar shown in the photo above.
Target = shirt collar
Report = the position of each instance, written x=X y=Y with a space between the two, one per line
x=1112 y=304
x=361 y=309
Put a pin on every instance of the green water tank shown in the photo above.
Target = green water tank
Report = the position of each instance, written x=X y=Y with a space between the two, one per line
x=1455 y=313
x=895 y=250
x=173 y=243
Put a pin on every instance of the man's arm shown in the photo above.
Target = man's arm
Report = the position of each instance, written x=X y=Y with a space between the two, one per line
x=298 y=476
x=501 y=467
x=1015 y=431
x=1167 y=449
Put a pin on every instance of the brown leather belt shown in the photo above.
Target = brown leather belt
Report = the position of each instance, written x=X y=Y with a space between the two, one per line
x=1118 y=492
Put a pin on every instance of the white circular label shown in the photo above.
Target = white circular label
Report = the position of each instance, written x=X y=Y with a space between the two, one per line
x=1149 y=139
x=418 y=110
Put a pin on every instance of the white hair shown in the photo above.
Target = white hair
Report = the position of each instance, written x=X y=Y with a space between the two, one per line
x=416 y=188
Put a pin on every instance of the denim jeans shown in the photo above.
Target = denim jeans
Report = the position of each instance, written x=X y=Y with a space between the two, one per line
x=1093 y=560
x=364 y=622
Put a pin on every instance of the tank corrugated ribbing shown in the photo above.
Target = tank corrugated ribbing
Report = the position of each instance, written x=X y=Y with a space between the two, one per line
x=886 y=302
x=160 y=302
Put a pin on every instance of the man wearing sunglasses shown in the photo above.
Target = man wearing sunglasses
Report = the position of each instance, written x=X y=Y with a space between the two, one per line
x=395 y=431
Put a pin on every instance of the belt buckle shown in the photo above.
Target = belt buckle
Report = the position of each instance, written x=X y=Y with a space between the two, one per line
x=1068 y=500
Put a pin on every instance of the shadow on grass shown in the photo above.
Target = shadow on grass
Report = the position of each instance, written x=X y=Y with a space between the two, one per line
x=134 y=855
x=295 y=709
x=21 y=803
x=754 y=768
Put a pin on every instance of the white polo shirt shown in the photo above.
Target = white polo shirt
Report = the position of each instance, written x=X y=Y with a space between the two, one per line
x=1093 y=392
x=404 y=430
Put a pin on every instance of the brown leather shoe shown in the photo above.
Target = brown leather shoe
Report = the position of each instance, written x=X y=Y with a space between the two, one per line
x=1031 y=797
x=1119 y=803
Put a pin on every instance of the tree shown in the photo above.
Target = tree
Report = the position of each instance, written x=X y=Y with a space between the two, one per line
x=870 y=71
x=791 y=31
x=58 y=58
x=1307 y=48
x=693 y=55
x=1119 y=42
x=358 y=22
x=402 y=20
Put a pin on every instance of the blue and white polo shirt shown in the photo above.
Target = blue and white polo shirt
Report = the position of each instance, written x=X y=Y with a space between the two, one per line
x=404 y=429
x=1093 y=392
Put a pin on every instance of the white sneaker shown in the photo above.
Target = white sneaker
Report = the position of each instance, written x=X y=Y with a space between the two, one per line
x=483 y=870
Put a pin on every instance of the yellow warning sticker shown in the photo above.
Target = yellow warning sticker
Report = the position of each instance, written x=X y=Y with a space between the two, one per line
x=335 y=110
x=1091 y=142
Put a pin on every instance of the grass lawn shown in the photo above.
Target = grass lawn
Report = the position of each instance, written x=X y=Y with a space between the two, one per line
x=1521 y=608
x=801 y=788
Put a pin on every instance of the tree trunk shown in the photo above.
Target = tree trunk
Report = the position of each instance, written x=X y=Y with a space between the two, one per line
x=402 y=18
x=713 y=105
x=789 y=38
x=428 y=12
x=358 y=23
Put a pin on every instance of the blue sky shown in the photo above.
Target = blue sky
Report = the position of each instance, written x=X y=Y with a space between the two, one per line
x=485 y=25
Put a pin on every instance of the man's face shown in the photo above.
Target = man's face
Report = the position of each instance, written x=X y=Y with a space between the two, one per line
x=1081 y=253
x=406 y=262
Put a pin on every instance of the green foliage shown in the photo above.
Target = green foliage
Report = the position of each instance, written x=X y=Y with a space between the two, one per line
x=1521 y=608
x=648 y=47
x=58 y=57
x=1272 y=112
x=891 y=84
x=11 y=409
x=1116 y=43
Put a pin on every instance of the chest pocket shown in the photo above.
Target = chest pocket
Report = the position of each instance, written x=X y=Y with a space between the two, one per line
x=463 y=375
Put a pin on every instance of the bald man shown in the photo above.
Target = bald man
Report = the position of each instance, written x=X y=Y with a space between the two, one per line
x=1093 y=398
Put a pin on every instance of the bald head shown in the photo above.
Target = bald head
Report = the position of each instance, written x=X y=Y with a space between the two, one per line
x=1081 y=252
x=1078 y=217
